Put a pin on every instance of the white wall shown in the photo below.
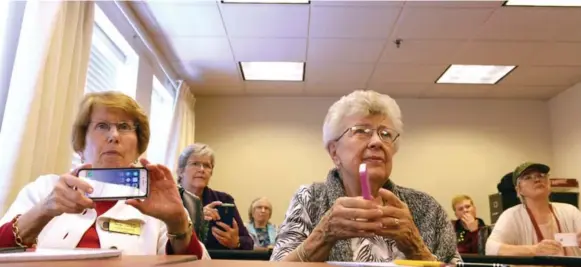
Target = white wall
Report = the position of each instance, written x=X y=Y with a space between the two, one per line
x=269 y=146
x=565 y=120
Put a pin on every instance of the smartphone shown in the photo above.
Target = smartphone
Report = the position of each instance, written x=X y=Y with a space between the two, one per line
x=116 y=183
x=226 y=212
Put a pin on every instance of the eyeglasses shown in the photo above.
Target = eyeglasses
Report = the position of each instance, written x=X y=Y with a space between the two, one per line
x=122 y=127
x=200 y=165
x=535 y=175
x=386 y=134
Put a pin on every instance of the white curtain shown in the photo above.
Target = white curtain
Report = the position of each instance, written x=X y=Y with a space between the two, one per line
x=47 y=83
x=182 y=130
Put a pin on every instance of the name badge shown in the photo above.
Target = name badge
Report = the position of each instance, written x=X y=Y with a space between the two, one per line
x=123 y=227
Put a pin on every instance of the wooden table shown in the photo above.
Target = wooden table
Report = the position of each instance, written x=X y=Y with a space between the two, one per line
x=161 y=261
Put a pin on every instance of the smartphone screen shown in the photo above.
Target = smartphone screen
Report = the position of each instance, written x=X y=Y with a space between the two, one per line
x=115 y=184
x=226 y=212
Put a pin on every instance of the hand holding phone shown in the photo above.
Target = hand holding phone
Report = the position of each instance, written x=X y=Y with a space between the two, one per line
x=226 y=212
x=116 y=183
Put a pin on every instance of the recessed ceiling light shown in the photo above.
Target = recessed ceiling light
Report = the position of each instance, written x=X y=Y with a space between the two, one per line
x=273 y=71
x=474 y=74
x=268 y=1
x=570 y=3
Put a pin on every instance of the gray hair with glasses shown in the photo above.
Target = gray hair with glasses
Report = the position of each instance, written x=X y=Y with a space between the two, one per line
x=360 y=103
x=197 y=149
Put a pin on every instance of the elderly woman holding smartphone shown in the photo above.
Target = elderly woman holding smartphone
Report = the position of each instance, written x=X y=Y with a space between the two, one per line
x=110 y=131
x=330 y=221
x=195 y=168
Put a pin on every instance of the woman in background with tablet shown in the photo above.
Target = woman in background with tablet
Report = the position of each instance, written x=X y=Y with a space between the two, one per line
x=110 y=131
x=195 y=168
x=534 y=227
x=331 y=221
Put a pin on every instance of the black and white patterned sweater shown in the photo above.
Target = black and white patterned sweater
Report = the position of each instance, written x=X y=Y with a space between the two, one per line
x=310 y=203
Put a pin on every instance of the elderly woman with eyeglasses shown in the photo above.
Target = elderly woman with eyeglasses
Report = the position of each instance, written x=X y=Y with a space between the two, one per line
x=110 y=131
x=331 y=221
x=530 y=228
x=195 y=168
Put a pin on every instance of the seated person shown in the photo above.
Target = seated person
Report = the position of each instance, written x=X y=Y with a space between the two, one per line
x=263 y=232
x=195 y=167
x=330 y=221
x=529 y=228
x=110 y=131
x=469 y=229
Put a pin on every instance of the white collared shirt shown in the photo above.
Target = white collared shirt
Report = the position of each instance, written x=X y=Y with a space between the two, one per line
x=65 y=231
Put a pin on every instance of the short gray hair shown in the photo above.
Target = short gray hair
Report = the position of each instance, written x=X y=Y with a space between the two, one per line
x=197 y=149
x=363 y=103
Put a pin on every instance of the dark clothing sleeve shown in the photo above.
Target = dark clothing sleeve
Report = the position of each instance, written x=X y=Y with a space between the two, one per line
x=246 y=243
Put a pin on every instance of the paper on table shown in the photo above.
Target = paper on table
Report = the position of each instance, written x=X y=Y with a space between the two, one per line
x=363 y=264
x=59 y=254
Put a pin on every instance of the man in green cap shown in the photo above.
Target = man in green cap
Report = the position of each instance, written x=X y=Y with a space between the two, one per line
x=535 y=227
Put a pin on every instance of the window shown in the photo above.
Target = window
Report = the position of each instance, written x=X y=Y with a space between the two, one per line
x=162 y=104
x=113 y=63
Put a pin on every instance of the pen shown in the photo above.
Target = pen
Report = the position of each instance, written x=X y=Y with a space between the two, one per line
x=468 y=264
x=419 y=263
x=365 y=188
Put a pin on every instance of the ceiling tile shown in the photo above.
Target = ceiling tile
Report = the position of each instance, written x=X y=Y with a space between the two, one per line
x=458 y=91
x=209 y=90
x=194 y=18
x=359 y=3
x=260 y=49
x=352 y=21
x=400 y=90
x=204 y=49
x=331 y=89
x=406 y=73
x=274 y=88
x=543 y=76
x=344 y=50
x=216 y=73
x=524 y=92
x=454 y=4
x=262 y=20
x=525 y=23
x=499 y=53
x=559 y=54
x=354 y=73
x=440 y=23
x=421 y=51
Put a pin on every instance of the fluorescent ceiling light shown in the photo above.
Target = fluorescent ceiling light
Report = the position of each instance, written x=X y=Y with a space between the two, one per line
x=570 y=3
x=272 y=71
x=268 y=1
x=474 y=74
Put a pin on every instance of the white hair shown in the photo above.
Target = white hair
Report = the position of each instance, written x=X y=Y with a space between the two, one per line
x=360 y=103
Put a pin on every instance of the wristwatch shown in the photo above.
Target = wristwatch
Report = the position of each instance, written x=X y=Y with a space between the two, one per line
x=181 y=236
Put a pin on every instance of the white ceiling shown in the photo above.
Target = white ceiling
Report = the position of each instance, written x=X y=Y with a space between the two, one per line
x=350 y=45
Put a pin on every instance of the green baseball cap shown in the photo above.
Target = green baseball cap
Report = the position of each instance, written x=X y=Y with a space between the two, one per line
x=528 y=165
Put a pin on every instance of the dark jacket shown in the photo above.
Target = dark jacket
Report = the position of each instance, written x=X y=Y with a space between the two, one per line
x=209 y=196
x=471 y=242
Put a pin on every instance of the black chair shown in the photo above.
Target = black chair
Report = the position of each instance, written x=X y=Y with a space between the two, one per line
x=249 y=255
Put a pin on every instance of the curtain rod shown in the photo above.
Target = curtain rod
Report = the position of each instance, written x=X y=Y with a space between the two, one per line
x=138 y=28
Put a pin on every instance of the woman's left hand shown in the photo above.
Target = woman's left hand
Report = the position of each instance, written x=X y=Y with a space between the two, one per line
x=399 y=225
x=164 y=201
x=229 y=237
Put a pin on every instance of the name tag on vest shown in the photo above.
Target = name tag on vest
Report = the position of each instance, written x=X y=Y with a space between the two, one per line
x=122 y=227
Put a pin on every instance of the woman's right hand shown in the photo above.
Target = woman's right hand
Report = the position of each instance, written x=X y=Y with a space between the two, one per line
x=351 y=217
x=68 y=195
x=548 y=248
x=210 y=211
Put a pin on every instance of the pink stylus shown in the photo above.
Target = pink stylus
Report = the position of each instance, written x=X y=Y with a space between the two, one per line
x=365 y=189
